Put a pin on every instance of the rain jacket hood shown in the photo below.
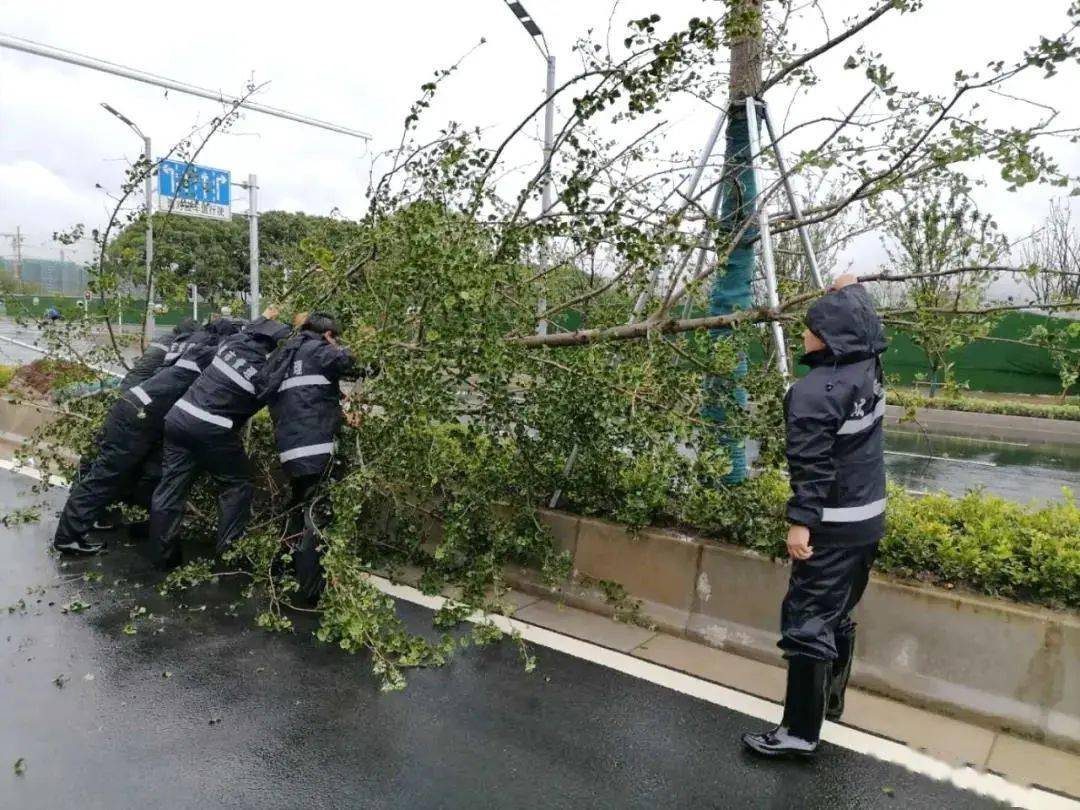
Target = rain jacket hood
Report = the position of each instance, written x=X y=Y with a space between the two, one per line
x=268 y=329
x=846 y=322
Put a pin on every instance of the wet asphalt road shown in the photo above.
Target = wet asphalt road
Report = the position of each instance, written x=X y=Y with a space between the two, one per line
x=246 y=719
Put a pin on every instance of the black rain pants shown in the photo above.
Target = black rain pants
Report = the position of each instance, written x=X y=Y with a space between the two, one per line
x=127 y=440
x=822 y=592
x=190 y=448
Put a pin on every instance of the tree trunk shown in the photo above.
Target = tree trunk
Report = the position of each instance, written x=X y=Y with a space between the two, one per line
x=731 y=290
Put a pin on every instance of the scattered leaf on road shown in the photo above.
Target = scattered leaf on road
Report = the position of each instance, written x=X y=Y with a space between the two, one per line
x=20 y=766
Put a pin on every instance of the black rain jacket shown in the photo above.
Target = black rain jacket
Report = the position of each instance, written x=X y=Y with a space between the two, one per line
x=156 y=355
x=834 y=417
x=189 y=359
x=301 y=384
x=224 y=396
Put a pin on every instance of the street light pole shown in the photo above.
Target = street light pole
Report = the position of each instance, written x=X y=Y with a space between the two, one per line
x=149 y=328
x=148 y=332
x=547 y=189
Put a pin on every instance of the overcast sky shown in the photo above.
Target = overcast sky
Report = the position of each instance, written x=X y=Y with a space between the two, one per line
x=360 y=65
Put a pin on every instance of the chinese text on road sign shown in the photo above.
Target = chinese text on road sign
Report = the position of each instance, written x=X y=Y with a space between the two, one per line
x=197 y=191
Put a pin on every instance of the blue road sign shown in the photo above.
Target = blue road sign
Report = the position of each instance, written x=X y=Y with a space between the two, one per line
x=195 y=190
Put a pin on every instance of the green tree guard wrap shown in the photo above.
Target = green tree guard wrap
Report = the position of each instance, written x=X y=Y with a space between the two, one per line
x=731 y=289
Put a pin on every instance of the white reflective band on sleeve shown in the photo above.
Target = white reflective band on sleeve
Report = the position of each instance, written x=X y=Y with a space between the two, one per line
x=206 y=416
x=310 y=450
x=171 y=356
x=305 y=379
x=143 y=397
x=161 y=346
x=190 y=365
x=853 y=514
x=233 y=375
x=868 y=421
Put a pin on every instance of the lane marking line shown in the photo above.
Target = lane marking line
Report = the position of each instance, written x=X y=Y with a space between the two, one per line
x=971 y=461
x=966 y=778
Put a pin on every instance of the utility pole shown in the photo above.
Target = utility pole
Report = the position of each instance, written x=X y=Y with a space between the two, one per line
x=18 y=252
x=252 y=186
x=253 y=242
x=16 y=248
x=732 y=289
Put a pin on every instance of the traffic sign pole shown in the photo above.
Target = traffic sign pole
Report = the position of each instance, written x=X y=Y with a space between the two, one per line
x=253 y=240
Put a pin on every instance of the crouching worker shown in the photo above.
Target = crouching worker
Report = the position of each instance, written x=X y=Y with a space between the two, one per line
x=202 y=433
x=156 y=356
x=130 y=442
x=837 y=510
x=301 y=386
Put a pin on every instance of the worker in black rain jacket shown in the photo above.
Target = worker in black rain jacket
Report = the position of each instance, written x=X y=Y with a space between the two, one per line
x=835 y=454
x=127 y=463
x=156 y=355
x=301 y=384
x=202 y=433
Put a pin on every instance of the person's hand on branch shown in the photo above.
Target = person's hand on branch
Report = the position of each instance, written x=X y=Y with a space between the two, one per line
x=798 y=543
x=271 y=312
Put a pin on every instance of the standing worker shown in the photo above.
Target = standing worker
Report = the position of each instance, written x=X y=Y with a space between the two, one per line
x=301 y=383
x=202 y=432
x=835 y=452
x=129 y=442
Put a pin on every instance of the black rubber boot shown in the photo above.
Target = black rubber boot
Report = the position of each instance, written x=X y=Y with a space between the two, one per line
x=164 y=536
x=139 y=532
x=804 y=711
x=841 y=672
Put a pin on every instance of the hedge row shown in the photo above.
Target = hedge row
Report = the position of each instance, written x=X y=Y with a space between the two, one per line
x=1067 y=412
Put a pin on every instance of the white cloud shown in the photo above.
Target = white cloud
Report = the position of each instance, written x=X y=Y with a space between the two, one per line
x=360 y=65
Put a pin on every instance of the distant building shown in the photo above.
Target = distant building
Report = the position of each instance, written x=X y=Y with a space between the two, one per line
x=50 y=276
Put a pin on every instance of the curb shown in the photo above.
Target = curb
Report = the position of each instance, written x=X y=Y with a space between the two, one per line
x=999 y=427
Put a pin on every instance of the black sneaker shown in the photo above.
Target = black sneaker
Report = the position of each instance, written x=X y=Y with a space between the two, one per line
x=82 y=546
x=104 y=525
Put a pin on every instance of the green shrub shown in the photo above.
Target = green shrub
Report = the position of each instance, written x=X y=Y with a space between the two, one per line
x=976 y=405
x=981 y=542
x=6 y=373
x=1026 y=552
